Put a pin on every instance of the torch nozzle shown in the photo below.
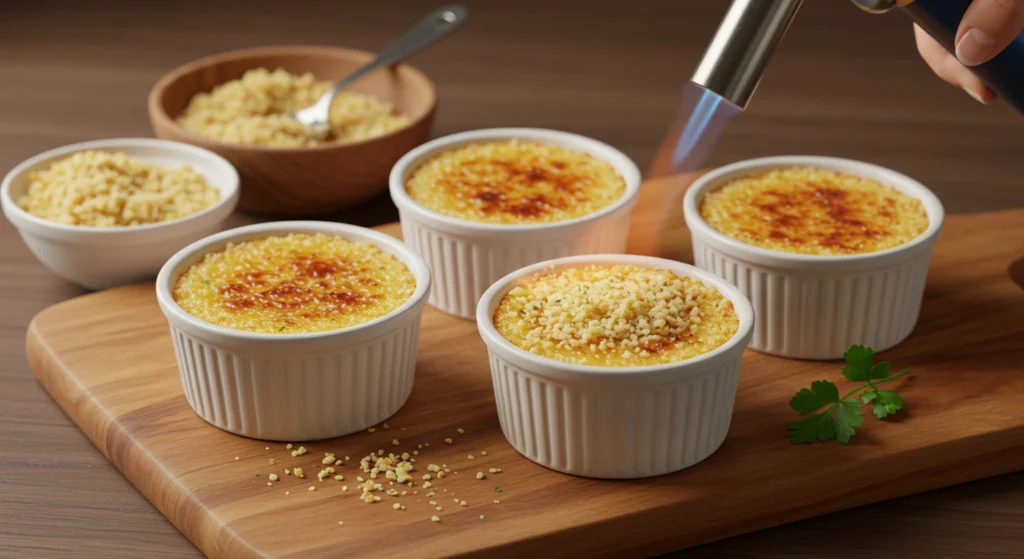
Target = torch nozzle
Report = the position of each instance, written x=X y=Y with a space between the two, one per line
x=738 y=54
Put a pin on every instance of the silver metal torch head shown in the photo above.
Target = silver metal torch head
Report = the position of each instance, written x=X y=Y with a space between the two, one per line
x=738 y=54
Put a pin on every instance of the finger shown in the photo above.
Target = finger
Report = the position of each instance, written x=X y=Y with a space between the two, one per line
x=987 y=28
x=947 y=67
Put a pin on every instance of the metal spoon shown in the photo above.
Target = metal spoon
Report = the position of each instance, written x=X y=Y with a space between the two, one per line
x=438 y=24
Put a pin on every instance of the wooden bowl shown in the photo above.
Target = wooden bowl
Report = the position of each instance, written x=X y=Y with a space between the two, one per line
x=291 y=181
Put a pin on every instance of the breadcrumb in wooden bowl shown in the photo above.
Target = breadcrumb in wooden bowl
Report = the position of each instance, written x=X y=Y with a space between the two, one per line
x=299 y=177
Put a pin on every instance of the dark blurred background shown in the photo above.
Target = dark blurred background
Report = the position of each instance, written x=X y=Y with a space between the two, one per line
x=843 y=83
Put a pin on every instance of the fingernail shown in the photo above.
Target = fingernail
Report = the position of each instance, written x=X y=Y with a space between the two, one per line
x=975 y=95
x=975 y=47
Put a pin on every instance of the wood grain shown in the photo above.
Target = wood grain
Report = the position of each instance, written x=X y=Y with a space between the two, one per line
x=302 y=180
x=843 y=83
x=963 y=423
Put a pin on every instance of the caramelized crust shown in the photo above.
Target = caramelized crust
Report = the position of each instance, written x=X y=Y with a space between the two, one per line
x=294 y=284
x=515 y=182
x=814 y=211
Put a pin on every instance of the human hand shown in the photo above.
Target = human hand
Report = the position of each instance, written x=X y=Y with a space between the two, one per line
x=987 y=28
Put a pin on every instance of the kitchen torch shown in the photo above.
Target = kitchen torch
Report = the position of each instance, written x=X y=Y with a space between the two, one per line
x=736 y=58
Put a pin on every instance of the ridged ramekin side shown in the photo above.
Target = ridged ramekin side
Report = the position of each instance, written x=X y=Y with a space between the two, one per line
x=615 y=430
x=298 y=396
x=807 y=314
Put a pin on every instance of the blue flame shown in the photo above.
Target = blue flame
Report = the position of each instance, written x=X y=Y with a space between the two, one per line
x=705 y=114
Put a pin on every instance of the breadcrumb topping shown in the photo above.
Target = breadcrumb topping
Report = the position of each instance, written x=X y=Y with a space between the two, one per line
x=615 y=316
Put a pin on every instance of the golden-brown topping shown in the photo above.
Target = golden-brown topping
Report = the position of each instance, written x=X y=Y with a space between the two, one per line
x=814 y=211
x=618 y=316
x=515 y=181
x=294 y=283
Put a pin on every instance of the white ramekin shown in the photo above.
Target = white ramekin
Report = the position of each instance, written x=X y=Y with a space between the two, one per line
x=102 y=257
x=466 y=257
x=294 y=387
x=614 y=422
x=816 y=307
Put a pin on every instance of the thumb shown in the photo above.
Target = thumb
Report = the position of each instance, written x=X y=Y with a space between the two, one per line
x=987 y=28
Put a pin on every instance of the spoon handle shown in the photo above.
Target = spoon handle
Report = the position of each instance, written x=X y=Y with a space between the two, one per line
x=438 y=24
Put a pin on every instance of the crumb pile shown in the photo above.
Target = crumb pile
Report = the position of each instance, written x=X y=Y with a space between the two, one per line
x=104 y=189
x=256 y=110
x=380 y=476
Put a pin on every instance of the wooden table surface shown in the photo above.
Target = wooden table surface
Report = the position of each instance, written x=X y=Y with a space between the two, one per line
x=843 y=83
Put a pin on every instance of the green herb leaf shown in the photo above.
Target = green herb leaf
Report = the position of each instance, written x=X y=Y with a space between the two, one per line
x=848 y=416
x=887 y=403
x=280 y=329
x=206 y=281
x=880 y=370
x=821 y=393
x=497 y=490
x=844 y=414
x=859 y=359
x=818 y=426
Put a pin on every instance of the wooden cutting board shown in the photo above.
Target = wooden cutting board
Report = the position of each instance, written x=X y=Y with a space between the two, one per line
x=106 y=358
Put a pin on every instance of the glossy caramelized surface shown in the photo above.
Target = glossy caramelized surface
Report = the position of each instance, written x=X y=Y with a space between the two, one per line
x=814 y=211
x=297 y=283
x=515 y=182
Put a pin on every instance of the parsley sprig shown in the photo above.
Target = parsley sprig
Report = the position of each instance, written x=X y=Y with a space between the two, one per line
x=842 y=415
